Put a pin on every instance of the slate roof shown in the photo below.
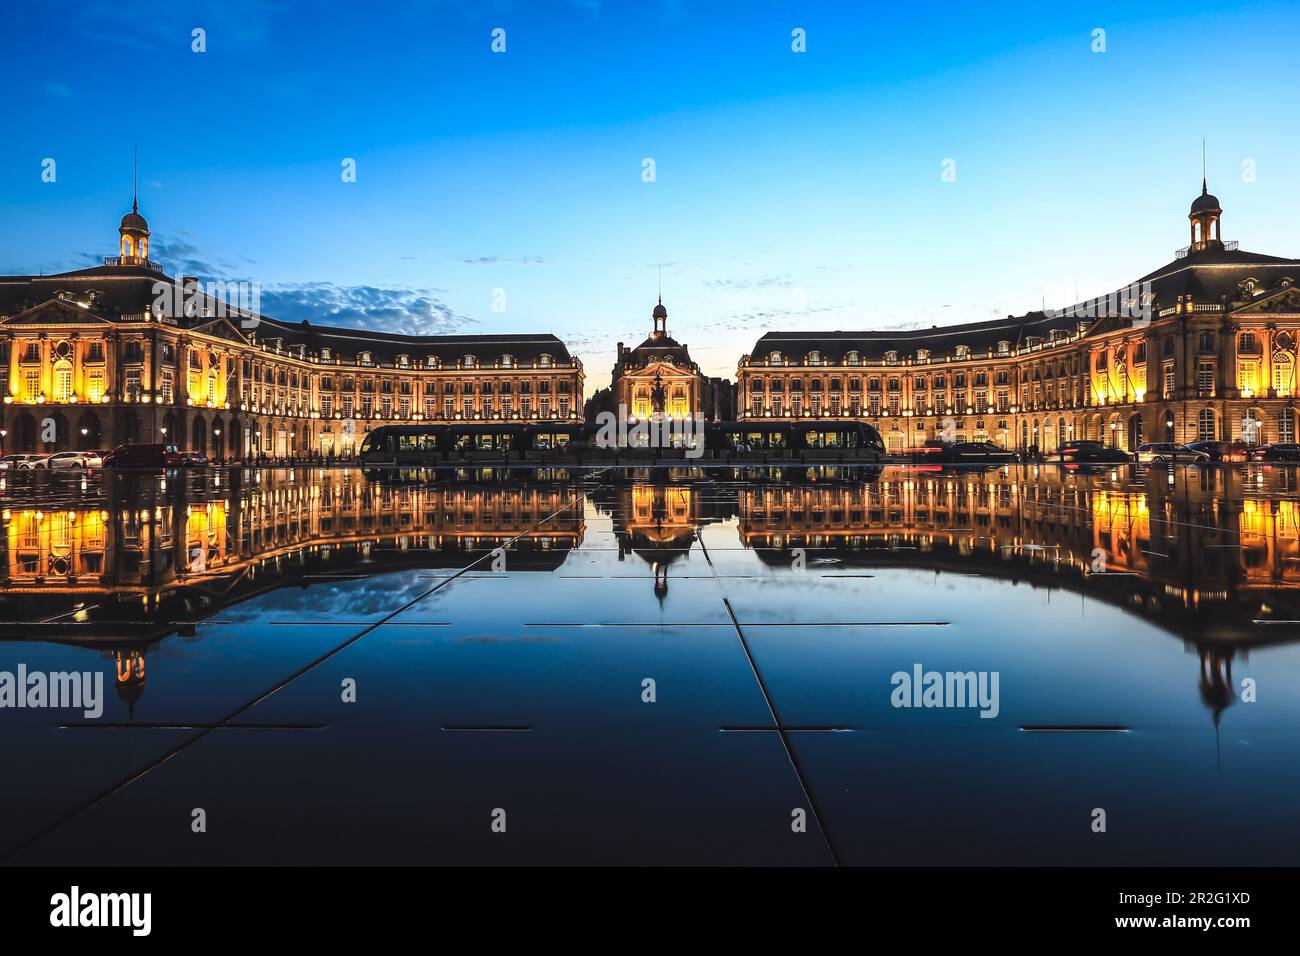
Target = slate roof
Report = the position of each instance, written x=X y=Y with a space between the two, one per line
x=127 y=290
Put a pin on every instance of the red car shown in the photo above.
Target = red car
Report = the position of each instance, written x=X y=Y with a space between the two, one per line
x=143 y=456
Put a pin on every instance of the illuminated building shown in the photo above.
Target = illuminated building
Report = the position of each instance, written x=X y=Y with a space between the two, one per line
x=123 y=353
x=1202 y=348
x=659 y=376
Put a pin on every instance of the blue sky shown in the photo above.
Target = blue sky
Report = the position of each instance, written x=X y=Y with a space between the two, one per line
x=792 y=190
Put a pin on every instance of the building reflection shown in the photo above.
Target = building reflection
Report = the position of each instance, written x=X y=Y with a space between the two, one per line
x=116 y=563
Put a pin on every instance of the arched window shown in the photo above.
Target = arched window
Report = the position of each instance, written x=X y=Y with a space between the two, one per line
x=545 y=361
x=773 y=358
x=63 y=381
x=814 y=358
x=507 y=361
x=1205 y=425
x=1284 y=373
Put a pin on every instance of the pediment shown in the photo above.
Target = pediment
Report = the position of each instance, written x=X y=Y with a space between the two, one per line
x=221 y=328
x=1284 y=301
x=55 y=312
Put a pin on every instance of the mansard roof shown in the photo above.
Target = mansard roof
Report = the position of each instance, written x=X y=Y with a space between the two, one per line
x=1213 y=276
x=125 y=291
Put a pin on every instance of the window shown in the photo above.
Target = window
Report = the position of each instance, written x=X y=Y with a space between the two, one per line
x=1205 y=377
x=167 y=388
x=545 y=361
x=1205 y=425
x=774 y=358
x=1248 y=343
x=63 y=382
x=1208 y=342
x=1286 y=426
x=1284 y=374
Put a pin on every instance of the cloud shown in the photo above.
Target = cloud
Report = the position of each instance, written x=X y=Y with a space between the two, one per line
x=154 y=25
x=182 y=257
x=504 y=261
x=408 y=311
x=755 y=282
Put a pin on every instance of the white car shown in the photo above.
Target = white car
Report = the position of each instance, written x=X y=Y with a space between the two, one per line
x=31 y=462
x=1162 y=452
x=15 y=461
x=64 y=460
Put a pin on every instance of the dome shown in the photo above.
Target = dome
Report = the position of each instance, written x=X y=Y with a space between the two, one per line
x=1205 y=203
x=133 y=220
x=660 y=312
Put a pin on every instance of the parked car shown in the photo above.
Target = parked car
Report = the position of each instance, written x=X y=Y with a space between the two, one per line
x=1165 y=452
x=1081 y=452
x=192 y=459
x=1221 y=450
x=68 y=459
x=16 y=462
x=1281 y=451
x=143 y=456
x=33 y=462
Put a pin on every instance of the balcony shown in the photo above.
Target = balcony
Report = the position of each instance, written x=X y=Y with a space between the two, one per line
x=134 y=261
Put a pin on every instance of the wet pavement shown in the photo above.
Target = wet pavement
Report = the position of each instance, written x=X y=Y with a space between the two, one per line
x=655 y=666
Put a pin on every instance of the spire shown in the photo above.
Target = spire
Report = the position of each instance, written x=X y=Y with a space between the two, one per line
x=135 y=186
x=1205 y=189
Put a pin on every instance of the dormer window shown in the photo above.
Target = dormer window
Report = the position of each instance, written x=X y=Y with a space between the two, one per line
x=325 y=355
x=853 y=358
x=432 y=362
x=891 y=357
x=544 y=361
x=364 y=358
x=923 y=355
x=814 y=358
x=507 y=361
x=963 y=351
x=773 y=358
x=468 y=361
x=403 y=360
x=1004 y=347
